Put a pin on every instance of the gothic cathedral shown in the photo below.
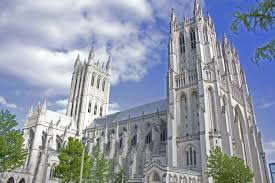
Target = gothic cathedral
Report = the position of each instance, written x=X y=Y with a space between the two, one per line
x=166 y=141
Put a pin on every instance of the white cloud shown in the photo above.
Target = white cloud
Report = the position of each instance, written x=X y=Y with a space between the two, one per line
x=62 y=103
x=41 y=39
x=113 y=108
x=265 y=103
x=4 y=103
x=269 y=148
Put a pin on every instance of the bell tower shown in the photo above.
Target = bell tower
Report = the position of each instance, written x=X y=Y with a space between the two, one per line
x=89 y=93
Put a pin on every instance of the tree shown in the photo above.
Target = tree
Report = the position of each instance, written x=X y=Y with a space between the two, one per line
x=226 y=169
x=101 y=168
x=259 y=17
x=12 y=153
x=120 y=176
x=68 y=169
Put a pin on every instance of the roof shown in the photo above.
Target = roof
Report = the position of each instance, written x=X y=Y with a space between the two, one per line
x=145 y=109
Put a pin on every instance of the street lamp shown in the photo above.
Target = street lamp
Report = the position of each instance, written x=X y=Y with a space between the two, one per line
x=84 y=141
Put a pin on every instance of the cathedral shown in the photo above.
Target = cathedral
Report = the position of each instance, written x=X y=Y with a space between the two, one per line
x=167 y=141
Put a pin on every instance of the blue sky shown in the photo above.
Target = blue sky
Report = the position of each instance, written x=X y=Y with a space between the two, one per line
x=39 y=42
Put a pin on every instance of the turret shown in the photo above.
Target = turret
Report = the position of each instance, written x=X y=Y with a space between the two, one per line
x=197 y=11
x=173 y=22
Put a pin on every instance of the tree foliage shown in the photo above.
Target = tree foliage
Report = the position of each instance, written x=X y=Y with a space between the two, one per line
x=259 y=17
x=226 y=169
x=68 y=169
x=120 y=176
x=12 y=153
x=101 y=168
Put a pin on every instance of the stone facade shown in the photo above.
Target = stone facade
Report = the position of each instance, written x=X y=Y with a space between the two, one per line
x=207 y=105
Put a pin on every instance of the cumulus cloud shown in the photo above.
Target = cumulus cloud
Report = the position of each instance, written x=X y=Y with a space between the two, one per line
x=113 y=108
x=41 y=39
x=4 y=103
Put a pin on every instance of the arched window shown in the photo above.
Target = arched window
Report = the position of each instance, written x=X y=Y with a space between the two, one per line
x=90 y=107
x=148 y=138
x=108 y=145
x=182 y=43
x=100 y=111
x=103 y=85
x=163 y=135
x=58 y=143
x=134 y=140
x=120 y=143
x=95 y=109
x=93 y=80
x=191 y=156
x=44 y=136
x=31 y=137
x=22 y=180
x=11 y=180
x=98 y=82
x=156 y=177
x=193 y=39
x=205 y=35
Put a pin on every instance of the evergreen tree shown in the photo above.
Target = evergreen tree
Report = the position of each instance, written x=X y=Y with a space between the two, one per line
x=101 y=168
x=68 y=169
x=12 y=153
x=260 y=17
x=226 y=169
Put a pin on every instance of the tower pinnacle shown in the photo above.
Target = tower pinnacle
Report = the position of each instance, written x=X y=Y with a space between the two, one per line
x=91 y=55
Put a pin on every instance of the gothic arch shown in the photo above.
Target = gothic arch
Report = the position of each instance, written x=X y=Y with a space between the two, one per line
x=58 y=142
x=194 y=111
x=181 y=43
x=192 y=38
x=11 y=180
x=191 y=155
x=103 y=84
x=225 y=112
x=212 y=110
x=93 y=79
x=154 y=178
x=241 y=126
x=22 y=180
x=98 y=82
x=182 y=113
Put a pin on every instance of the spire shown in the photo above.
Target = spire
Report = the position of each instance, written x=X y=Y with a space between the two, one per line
x=108 y=64
x=173 y=21
x=77 y=60
x=91 y=55
x=44 y=106
x=197 y=11
x=30 y=111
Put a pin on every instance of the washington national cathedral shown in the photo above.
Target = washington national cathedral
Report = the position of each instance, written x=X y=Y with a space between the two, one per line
x=167 y=141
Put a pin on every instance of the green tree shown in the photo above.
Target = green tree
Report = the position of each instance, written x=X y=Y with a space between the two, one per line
x=68 y=169
x=101 y=168
x=226 y=169
x=12 y=153
x=120 y=176
x=260 y=17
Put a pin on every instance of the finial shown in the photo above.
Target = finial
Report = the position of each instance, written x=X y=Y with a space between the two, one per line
x=44 y=106
x=91 y=55
x=77 y=60
x=197 y=11
x=108 y=64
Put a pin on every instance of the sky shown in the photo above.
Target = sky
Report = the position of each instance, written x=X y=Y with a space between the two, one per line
x=40 y=40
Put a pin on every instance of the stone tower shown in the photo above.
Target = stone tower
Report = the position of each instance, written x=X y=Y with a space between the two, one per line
x=208 y=100
x=89 y=93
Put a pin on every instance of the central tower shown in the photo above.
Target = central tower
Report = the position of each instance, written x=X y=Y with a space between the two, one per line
x=89 y=93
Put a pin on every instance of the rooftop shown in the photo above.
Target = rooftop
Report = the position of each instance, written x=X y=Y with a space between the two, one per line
x=145 y=109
